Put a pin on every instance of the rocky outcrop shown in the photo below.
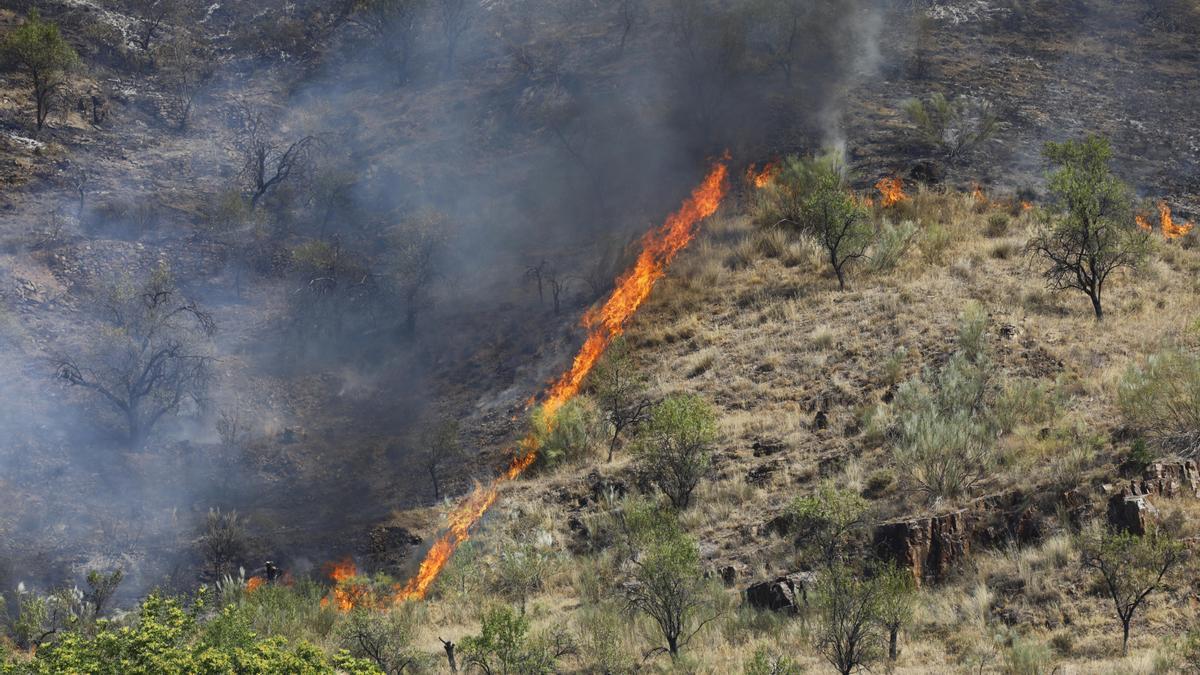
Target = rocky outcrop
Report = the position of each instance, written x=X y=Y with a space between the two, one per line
x=1131 y=513
x=785 y=594
x=929 y=546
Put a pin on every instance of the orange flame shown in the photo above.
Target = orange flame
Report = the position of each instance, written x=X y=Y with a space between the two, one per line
x=1026 y=206
x=978 y=195
x=1143 y=222
x=348 y=592
x=891 y=191
x=763 y=178
x=604 y=323
x=1171 y=229
x=253 y=584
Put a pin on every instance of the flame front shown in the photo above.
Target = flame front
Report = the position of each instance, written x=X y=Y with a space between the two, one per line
x=1171 y=229
x=891 y=191
x=603 y=323
x=347 y=592
x=763 y=178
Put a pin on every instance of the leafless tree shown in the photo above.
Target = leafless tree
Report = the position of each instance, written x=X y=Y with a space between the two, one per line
x=558 y=285
x=79 y=178
x=629 y=14
x=537 y=274
x=147 y=361
x=418 y=244
x=185 y=66
x=268 y=161
x=439 y=446
x=455 y=17
x=152 y=15
x=393 y=24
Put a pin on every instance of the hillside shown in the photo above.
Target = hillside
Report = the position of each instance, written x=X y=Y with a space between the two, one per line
x=301 y=300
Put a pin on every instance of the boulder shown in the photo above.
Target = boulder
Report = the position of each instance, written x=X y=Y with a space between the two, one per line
x=784 y=594
x=1131 y=513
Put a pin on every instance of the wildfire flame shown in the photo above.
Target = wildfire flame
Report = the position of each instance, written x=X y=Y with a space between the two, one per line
x=891 y=191
x=978 y=195
x=1026 y=206
x=253 y=584
x=347 y=592
x=603 y=323
x=763 y=178
x=1171 y=229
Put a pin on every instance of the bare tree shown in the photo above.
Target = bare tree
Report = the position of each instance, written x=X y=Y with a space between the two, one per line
x=185 y=66
x=537 y=274
x=223 y=541
x=620 y=391
x=629 y=15
x=268 y=161
x=152 y=16
x=394 y=25
x=439 y=446
x=147 y=361
x=418 y=244
x=455 y=17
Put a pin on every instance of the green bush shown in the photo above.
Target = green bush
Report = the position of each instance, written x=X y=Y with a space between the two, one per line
x=573 y=434
x=891 y=245
x=1161 y=398
x=674 y=446
x=934 y=243
x=504 y=645
x=1028 y=657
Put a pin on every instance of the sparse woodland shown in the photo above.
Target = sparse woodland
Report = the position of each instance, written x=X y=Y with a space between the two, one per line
x=280 y=287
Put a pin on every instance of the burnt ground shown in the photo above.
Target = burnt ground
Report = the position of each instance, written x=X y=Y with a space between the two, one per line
x=325 y=460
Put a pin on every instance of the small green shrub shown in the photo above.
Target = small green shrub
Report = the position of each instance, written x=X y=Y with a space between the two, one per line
x=935 y=241
x=997 y=225
x=1161 y=398
x=891 y=245
x=574 y=433
x=1028 y=657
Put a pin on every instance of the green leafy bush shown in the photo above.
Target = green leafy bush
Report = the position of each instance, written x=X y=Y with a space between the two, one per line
x=891 y=245
x=1161 y=398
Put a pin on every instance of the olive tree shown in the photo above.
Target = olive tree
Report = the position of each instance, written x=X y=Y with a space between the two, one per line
x=1129 y=568
x=674 y=446
x=1094 y=234
x=149 y=358
x=829 y=522
x=37 y=49
x=812 y=196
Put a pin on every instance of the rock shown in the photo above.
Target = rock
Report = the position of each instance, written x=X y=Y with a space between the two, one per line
x=763 y=447
x=762 y=473
x=732 y=572
x=930 y=547
x=784 y=594
x=1131 y=513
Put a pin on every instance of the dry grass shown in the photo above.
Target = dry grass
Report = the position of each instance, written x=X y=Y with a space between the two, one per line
x=753 y=322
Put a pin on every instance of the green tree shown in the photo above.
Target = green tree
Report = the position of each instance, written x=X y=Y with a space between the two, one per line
x=101 y=588
x=670 y=588
x=812 y=196
x=570 y=435
x=523 y=561
x=829 y=521
x=849 y=634
x=674 y=446
x=1094 y=233
x=897 y=588
x=1129 y=567
x=37 y=49
x=504 y=646
x=945 y=436
x=620 y=391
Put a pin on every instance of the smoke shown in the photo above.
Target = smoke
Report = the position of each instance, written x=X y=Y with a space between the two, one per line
x=554 y=138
